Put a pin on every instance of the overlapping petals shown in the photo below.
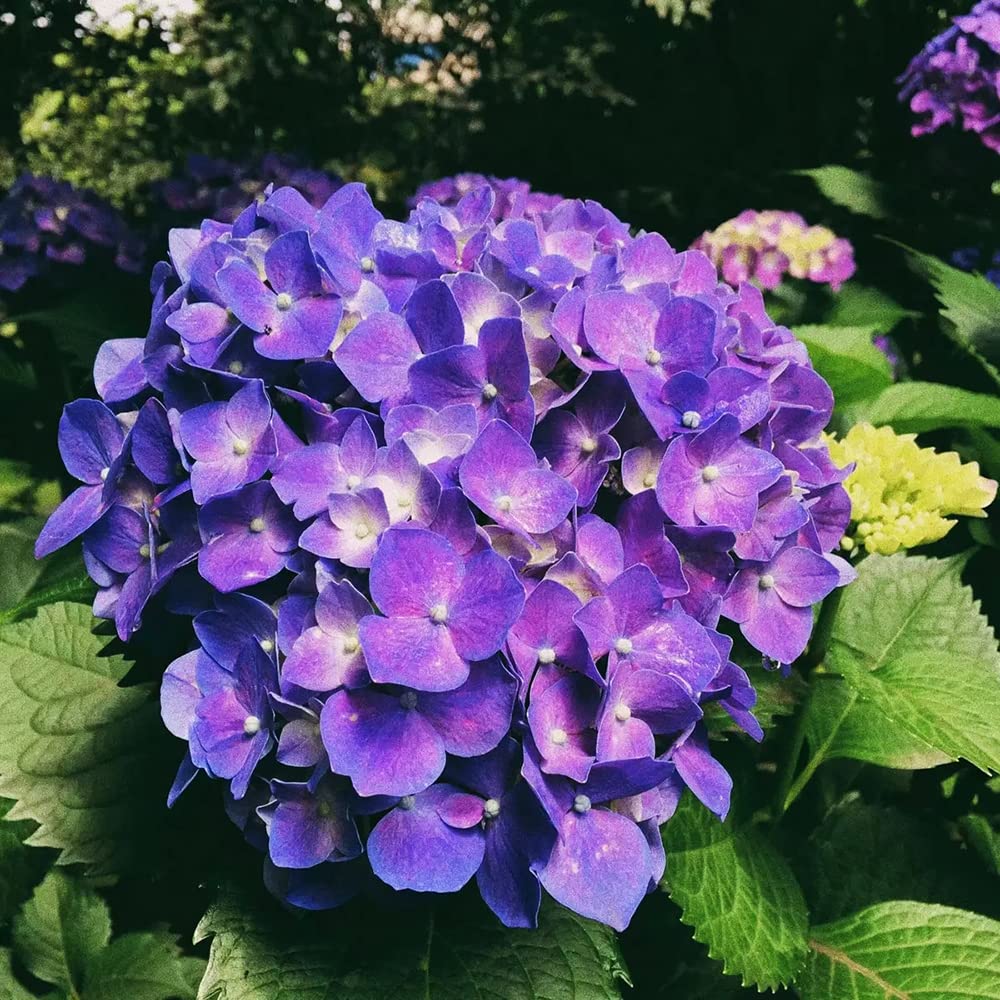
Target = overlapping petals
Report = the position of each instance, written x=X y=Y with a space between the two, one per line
x=456 y=505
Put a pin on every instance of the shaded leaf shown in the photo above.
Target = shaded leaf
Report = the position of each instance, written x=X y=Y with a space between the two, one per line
x=260 y=952
x=62 y=928
x=145 y=966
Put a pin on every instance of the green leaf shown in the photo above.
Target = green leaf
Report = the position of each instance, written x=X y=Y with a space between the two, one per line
x=970 y=305
x=738 y=894
x=863 y=854
x=10 y=988
x=861 y=305
x=845 y=726
x=910 y=640
x=78 y=751
x=850 y=189
x=260 y=952
x=901 y=608
x=846 y=357
x=984 y=839
x=18 y=864
x=61 y=929
x=915 y=407
x=19 y=570
x=902 y=951
x=145 y=966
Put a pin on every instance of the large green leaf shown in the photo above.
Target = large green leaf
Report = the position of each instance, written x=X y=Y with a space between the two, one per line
x=846 y=357
x=904 y=951
x=970 y=305
x=260 y=952
x=61 y=929
x=915 y=407
x=78 y=751
x=10 y=988
x=861 y=305
x=850 y=189
x=904 y=609
x=910 y=640
x=738 y=894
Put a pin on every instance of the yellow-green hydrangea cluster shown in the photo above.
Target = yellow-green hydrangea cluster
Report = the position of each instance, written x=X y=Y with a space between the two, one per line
x=903 y=495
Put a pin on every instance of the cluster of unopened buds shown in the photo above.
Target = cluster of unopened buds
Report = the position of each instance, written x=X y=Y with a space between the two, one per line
x=955 y=79
x=457 y=508
x=764 y=247
x=45 y=223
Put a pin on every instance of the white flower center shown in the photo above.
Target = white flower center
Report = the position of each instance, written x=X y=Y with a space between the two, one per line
x=353 y=482
x=489 y=391
x=351 y=644
x=240 y=447
x=236 y=367
x=766 y=582
x=581 y=804
x=546 y=655
x=709 y=474
x=283 y=302
x=623 y=646
x=623 y=713
x=504 y=503
x=104 y=473
x=251 y=725
x=439 y=613
x=653 y=356
x=491 y=808
x=407 y=801
x=691 y=419
x=267 y=645
x=588 y=445
x=367 y=265
x=257 y=525
x=558 y=736
x=362 y=531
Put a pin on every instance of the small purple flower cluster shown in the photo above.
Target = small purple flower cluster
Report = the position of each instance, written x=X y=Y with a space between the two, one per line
x=955 y=78
x=764 y=247
x=219 y=189
x=456 y=507
x=513 y=198
x=45 y=222
x=979 y=259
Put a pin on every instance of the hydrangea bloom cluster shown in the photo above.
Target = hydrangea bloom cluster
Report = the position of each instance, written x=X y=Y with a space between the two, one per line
x=45 y=222
x=457 y=507
x=763 y=247
x=513 y=198
x=955 y=78
x=219 y=189
x=903 y=495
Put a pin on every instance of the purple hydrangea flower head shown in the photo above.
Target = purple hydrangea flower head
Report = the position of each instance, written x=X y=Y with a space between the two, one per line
x=50 y=228
x=512 y=198
x=955 y=78
x=457 y=505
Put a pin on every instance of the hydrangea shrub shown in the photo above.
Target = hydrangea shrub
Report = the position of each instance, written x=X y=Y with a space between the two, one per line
x=464 y=513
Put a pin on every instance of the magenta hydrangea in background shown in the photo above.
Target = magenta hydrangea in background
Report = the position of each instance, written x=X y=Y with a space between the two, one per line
x=764 y=247
x=512 y=198
x=955 y=78
x=47 y=224
x=462 y=510
x=220 y=189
